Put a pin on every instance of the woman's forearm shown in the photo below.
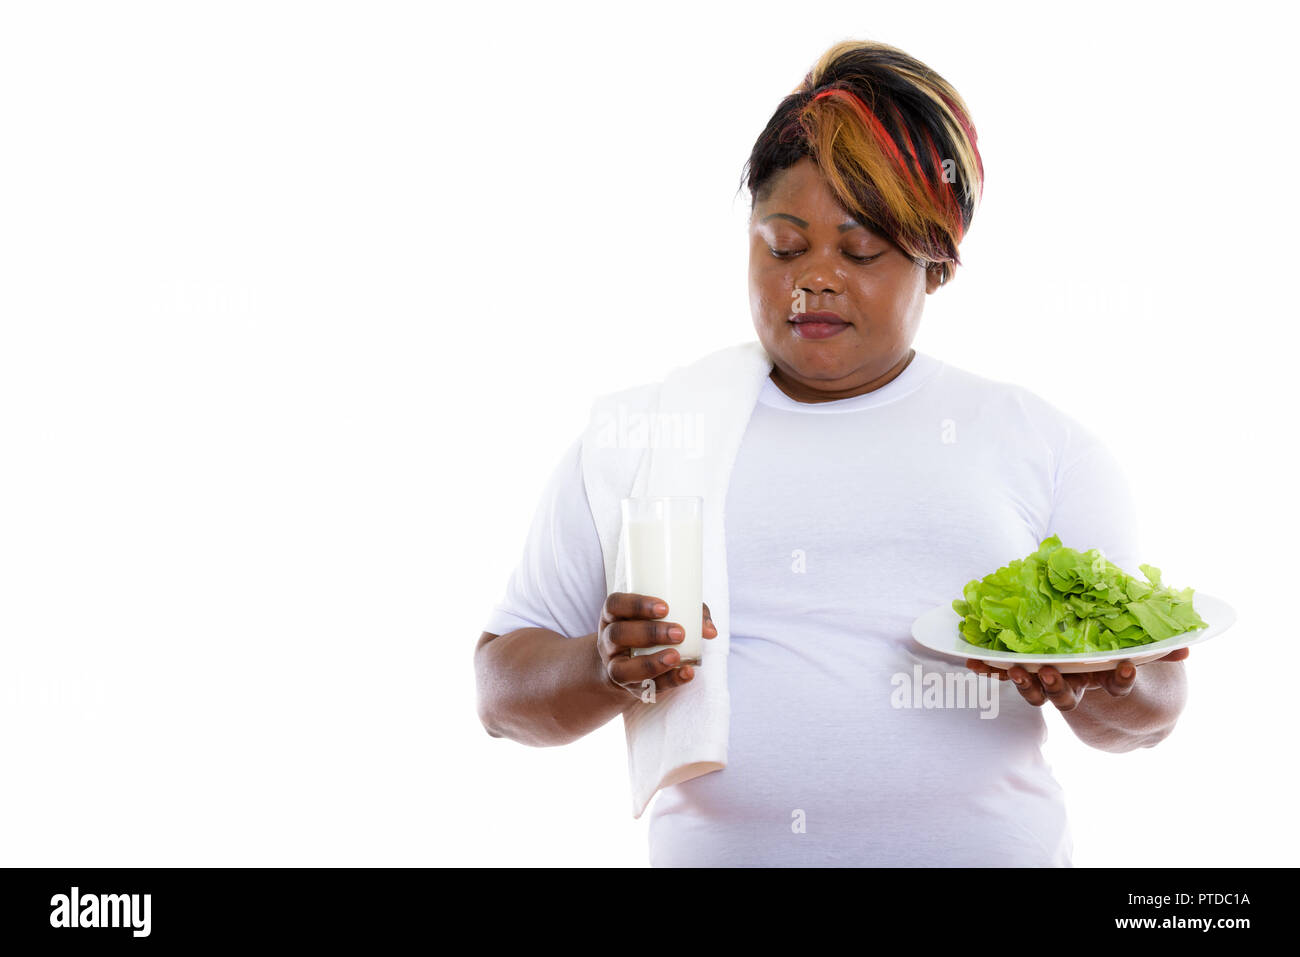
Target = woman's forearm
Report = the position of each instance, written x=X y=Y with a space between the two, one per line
x=540 y=688
x=1141 y=719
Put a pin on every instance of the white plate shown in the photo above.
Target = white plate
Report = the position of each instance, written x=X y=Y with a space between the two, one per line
x=939 y=630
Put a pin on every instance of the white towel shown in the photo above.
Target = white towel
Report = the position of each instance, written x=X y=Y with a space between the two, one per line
x=677 y=437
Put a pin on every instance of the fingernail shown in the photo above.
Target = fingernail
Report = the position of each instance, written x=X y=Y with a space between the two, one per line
x=1019 y=681
x=1126 y=671
x=1047 y=679
x=676 y=633
x=661 y=608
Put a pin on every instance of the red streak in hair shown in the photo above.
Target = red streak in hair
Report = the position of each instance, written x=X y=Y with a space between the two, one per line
x=877 y=128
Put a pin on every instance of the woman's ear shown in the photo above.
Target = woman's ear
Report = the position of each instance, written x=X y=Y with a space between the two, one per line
x=933 y=277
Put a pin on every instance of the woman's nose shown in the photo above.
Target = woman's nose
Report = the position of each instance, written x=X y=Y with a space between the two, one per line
x=820 y=274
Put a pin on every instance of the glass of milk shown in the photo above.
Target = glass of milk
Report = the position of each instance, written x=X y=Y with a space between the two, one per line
x=664 y=546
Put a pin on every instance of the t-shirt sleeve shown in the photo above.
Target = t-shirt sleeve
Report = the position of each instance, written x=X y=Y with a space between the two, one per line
x=559 y=583
x=1093 y=504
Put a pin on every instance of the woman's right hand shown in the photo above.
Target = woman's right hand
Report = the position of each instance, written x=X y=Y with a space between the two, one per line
x=630 y=621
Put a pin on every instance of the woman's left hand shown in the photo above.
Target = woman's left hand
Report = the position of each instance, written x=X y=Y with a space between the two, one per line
x=1065 y=691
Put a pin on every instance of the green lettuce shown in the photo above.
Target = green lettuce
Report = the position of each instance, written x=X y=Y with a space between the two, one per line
x=1062 y=601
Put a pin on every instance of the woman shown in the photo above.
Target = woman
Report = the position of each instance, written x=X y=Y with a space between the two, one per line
x=868 y=484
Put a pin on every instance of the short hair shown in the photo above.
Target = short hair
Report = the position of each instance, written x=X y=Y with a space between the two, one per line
x=894 y=141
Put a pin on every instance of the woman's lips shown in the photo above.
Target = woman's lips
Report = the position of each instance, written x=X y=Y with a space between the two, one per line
x=817 y=325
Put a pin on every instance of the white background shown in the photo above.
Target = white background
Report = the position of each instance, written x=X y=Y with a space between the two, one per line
x=301 y=303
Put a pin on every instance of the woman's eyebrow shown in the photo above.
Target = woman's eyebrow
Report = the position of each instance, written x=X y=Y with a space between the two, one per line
x=803 y=223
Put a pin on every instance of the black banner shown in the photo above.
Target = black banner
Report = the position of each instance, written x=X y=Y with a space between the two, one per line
x=209 y=906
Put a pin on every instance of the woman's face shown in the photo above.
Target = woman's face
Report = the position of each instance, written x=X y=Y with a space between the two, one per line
x=840 y=267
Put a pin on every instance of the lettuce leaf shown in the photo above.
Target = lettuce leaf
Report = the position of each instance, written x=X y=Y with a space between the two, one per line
x=1062 y=601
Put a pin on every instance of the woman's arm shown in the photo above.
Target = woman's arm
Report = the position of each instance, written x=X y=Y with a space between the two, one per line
x=1122 y=710
x=1108 y=710
x=1142 y=718
x=542 y=689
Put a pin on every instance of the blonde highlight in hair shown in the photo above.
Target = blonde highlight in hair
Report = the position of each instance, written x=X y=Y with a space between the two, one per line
x=894 y=141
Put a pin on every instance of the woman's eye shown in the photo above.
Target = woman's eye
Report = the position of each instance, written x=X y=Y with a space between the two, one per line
x=791 y=253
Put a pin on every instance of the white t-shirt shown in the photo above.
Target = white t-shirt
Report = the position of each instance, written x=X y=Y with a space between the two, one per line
x=845 y=520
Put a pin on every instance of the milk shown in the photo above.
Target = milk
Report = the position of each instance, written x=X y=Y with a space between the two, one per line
x=665 y=559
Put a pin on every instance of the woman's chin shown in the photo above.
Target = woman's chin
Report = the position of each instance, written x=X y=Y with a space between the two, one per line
x=817 y=358
x=827 y=369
